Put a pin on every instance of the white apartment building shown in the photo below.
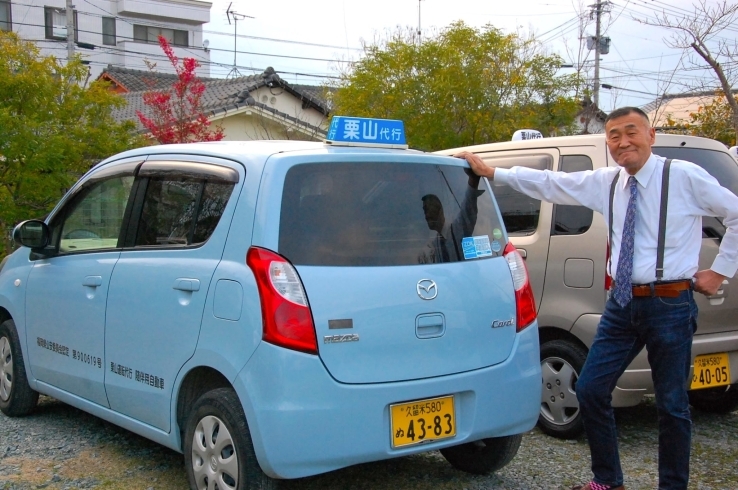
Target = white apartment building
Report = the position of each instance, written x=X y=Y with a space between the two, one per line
x=121 y=33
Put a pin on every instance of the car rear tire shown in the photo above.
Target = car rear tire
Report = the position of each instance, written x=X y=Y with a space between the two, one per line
x=723 y=399
x=16 y=396
x=561 y=363
x=485 y=456
x=218 y=446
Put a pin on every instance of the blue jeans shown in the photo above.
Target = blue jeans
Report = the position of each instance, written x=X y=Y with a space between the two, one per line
x=665 y=326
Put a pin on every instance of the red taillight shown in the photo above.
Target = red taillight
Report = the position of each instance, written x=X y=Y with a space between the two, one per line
x=525 y=303
x=287 y=319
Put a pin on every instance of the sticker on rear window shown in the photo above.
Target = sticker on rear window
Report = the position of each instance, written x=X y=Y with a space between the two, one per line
x=476 y=246
x=497 y=233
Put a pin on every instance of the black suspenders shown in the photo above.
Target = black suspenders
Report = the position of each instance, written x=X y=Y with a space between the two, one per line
x=662 y=217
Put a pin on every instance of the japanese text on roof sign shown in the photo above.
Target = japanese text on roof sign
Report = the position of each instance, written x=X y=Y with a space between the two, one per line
x=364 y=130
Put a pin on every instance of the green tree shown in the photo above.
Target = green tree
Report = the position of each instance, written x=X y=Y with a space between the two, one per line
x=463 y=86
x=52 y=130
x=715 y=120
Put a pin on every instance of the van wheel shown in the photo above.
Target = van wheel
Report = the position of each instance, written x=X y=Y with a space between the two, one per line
x=16 y=396
x=217 y=446
x=561 y=363
x=485 y=456
x=723 y=399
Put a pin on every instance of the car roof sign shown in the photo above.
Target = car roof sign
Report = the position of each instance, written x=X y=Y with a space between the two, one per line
x=526 y=134
x=369 y=132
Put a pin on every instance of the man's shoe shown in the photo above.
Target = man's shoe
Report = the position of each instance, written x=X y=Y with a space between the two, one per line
x=589 y=486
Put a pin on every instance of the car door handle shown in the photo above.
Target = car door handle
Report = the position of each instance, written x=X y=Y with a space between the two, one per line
x=523 y=253
x=92 y=281
x=186 y=284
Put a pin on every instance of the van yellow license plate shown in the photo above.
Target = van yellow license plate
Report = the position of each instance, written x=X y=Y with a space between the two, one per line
x=422 y=421
x=710 y=370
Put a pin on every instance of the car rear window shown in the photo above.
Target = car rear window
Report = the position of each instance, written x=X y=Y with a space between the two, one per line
x=519 y=212
x=385 y=214
x=717 y=163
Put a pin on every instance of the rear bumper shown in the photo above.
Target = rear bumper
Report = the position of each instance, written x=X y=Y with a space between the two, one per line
x=303 y=422
x=637 y=381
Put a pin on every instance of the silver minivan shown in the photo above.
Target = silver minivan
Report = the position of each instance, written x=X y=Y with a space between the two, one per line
x=566 y=253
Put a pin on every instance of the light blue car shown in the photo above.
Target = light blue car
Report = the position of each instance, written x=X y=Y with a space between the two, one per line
x=278 y=309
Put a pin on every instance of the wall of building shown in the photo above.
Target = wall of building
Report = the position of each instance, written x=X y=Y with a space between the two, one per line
x=190 y=15
x=253 y=124
x=287 y=103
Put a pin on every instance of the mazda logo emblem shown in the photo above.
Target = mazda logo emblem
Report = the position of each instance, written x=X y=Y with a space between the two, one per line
x=427 y=289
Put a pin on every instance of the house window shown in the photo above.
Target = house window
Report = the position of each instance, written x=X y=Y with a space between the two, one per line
x=150 y=34
x=55 y=22
x=5 y=18
x=108 y=30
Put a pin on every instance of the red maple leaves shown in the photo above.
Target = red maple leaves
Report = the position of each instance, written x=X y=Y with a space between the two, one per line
x=176 y=115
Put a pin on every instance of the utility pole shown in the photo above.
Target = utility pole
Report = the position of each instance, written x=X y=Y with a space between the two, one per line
x=598 y=13
x=70 y=30
x=600 y=44
x=419 y=21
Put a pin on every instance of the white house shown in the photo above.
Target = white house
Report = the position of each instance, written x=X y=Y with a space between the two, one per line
x=121 y=33
x=262 y=106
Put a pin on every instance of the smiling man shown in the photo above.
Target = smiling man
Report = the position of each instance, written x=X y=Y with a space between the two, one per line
x=653 y=208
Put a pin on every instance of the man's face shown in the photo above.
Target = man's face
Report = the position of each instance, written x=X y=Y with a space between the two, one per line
x=434 y=215
x=629 y=139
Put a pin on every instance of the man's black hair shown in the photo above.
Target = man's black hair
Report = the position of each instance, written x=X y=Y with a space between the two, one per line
x=624 y=111
x=432 y=198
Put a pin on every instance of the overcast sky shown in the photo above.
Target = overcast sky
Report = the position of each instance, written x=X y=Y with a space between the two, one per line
x=325 y=33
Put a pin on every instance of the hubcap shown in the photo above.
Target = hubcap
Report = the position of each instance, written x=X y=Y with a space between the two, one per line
x=214 y=458
x=6 y=369
x=559 y=404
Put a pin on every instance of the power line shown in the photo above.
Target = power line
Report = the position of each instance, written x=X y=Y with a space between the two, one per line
x=254 y=53
x=144 y=22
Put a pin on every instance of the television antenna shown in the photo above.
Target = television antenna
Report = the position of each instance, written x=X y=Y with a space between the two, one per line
x=236 y=17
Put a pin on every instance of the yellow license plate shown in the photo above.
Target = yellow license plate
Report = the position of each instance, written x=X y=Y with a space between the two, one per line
x=422 y=421
x=710 y=370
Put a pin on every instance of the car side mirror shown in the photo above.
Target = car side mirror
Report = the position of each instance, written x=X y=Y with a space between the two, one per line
x=33 y=234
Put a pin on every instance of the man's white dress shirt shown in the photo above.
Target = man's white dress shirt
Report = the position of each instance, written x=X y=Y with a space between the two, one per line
x=693 y=193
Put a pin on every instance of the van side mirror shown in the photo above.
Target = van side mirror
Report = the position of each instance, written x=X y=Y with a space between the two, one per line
x=33 y=234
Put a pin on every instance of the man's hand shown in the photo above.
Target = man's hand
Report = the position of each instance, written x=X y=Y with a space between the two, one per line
x=708 y=282
x=477 y=165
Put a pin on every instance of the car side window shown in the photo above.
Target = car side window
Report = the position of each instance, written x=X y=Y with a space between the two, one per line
x=94 y=218
x=180 y=210
x=572 y=220
x=520 y=213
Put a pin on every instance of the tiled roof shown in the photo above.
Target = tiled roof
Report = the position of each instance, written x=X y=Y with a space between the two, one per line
x=221 y=94
x=139 y=80
x=217 y=89
x=677 y=106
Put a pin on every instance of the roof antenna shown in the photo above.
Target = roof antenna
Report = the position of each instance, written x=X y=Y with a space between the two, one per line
x=236 y=17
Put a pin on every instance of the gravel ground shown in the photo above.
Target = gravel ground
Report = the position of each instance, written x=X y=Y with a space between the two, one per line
x=60 y=447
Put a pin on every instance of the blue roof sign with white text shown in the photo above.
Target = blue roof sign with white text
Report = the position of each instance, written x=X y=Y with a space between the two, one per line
x=361 y=131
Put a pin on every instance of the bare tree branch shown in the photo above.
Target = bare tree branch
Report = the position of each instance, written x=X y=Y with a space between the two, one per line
x=700 y=32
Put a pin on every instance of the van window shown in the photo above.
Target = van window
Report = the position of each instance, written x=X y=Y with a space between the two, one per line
x=384 y=214
x=572 y=220
x=717 y=163
x=519 y=212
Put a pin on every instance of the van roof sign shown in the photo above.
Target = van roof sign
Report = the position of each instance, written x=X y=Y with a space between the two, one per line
x=370 y=132
x=526 y=134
